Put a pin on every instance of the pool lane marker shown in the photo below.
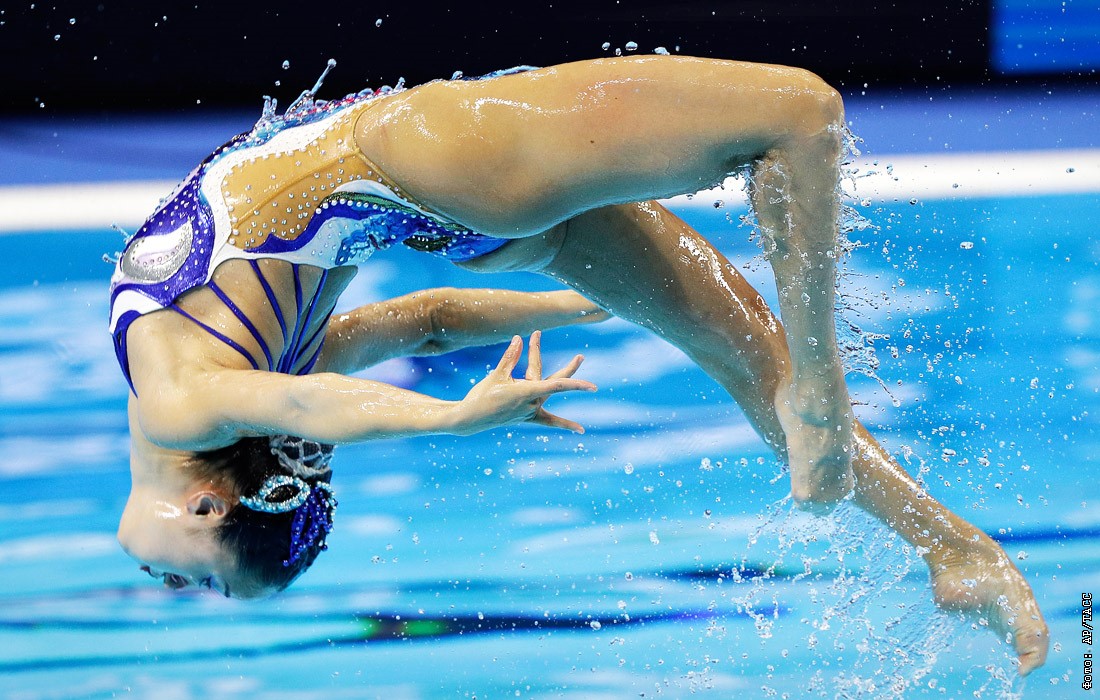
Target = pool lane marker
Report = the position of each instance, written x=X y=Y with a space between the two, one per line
x=882 y=180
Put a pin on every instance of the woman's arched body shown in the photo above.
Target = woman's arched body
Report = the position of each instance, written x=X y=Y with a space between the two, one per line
x=560 y=164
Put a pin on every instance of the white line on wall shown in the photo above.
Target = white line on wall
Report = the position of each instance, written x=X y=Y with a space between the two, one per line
x=61 y=207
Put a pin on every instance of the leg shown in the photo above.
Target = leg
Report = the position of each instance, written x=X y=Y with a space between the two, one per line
x=644 y=264
x=794 y=198
x=517 y=155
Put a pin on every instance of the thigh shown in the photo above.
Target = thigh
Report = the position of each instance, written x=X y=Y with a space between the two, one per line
x=515 y=155
x=643 y=263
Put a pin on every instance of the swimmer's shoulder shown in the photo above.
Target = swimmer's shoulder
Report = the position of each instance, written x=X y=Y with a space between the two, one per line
x=171 y=367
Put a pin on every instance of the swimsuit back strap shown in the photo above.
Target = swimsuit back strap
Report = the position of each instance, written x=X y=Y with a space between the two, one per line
x=316 y=353
x=271 y=298
x=290 y=350
x=244 y=321
x=220 y=336
x=309 y=310
x=313 y=359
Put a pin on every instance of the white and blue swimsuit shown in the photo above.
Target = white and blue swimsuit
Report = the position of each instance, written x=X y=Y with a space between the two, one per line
x=332 y=222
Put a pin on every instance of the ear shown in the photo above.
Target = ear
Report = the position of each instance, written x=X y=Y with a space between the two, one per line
x=207 y=505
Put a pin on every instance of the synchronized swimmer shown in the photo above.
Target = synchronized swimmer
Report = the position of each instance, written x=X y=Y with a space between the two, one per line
x=221 y=303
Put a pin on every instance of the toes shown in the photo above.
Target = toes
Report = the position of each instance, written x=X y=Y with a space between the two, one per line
x=1031 y=646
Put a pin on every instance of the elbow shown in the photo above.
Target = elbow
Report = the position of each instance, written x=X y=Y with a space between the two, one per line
x=172 y=420
x=439 y=320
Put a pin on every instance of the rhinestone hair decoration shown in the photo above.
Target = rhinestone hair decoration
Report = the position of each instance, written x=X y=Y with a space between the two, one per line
x=303 y=489
x=312 y=522
x=267 y=499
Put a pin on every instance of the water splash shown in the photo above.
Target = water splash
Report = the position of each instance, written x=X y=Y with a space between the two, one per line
x=856 y=345
x=867 y=605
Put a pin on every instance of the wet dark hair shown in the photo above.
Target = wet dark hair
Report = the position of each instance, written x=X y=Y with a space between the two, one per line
x=260 y=541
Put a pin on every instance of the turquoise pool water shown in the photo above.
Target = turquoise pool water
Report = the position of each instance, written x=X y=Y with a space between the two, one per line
x=521 y=563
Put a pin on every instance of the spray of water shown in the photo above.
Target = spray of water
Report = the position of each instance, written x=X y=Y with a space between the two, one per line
x=863 y=594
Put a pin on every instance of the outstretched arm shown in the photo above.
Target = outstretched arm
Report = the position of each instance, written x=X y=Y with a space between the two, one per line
x=437 y=321
x=224 y=406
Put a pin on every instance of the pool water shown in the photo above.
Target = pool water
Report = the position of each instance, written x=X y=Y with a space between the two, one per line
x=655 y=555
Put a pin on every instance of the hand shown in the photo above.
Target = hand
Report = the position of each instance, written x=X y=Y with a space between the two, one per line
x=499 y=399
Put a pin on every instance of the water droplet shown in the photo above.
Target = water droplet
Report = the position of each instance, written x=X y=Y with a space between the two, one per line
x=1021 y=555
x=653 y=537
x=805 y=298
x=72 y=20
x=378 y=22
x=628 y=576
x=628 y=468
x=660 y=51
x=488 y=471
x=631 y=46
x=595 y=624
x=913 y=200
x=606 y=45
x=57 y=37
x=1071 y=170
x=948 y=452
x=286 y=64
x=811 y=341
x=966 y=245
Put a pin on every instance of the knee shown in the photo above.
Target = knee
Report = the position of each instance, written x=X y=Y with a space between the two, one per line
x=818 y=107
x=827 y=104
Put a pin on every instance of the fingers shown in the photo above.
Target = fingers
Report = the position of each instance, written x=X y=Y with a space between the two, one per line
x=570 y=369
x=510 y=358
x=544 y=417
x=534 y=357
x=548 y=387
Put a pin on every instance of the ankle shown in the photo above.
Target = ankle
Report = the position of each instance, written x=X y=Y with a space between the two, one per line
x=969 y=546
x=818 y=403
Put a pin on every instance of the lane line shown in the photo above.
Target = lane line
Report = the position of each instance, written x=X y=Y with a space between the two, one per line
x=66 y=207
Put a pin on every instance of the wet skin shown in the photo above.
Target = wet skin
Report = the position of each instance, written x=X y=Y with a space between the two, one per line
x=565 y=160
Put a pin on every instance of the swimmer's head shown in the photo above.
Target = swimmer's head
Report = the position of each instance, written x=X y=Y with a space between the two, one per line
x=246 y=525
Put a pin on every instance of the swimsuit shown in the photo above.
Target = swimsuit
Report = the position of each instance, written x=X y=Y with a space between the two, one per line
x=295 y=188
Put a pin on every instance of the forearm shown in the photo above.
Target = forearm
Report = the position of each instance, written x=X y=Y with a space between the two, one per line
x=334 y=408
x=475 y=317
x=337 y=409
x=436 y=321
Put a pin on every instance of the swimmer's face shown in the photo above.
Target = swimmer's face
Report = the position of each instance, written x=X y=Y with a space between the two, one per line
x=175 y=542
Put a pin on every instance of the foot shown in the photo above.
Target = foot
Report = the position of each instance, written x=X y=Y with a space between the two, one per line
x=818 y=450
x=987 y=586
